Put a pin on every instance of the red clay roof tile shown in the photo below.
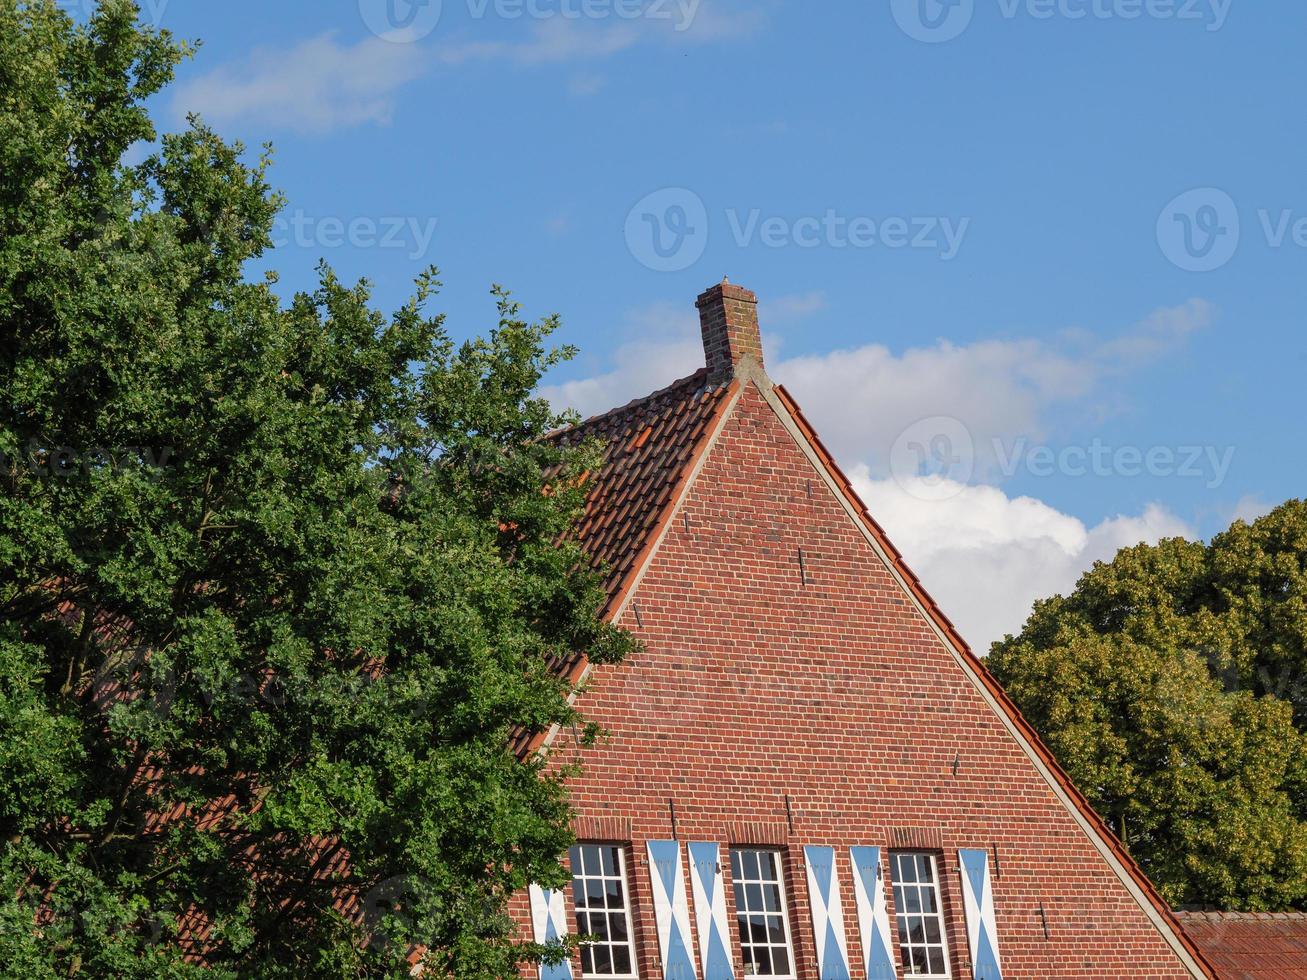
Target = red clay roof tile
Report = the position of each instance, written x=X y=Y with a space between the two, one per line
x=649 y=445
x=1251 y=945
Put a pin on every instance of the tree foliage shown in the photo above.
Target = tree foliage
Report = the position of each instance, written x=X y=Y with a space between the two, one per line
x=277 y=581
x=1171 y=686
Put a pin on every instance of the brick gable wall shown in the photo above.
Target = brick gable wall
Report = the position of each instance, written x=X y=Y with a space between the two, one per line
x=756 y=685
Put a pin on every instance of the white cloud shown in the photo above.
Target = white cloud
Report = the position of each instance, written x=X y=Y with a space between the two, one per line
x=986 y=557
x=1249 y=508
x=565 y=39
x=669 y=347
x=551 y=41
x=313 y=87
x=320 y=85
x=1000 y=390
x=786 y=309
x=582 y=86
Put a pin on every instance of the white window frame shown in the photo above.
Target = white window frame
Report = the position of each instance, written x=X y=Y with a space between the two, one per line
x=778 y=857
x=586 y=874
x=900 y=913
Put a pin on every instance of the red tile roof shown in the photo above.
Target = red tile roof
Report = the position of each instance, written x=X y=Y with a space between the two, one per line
x=1251 y=945
x=650 y=446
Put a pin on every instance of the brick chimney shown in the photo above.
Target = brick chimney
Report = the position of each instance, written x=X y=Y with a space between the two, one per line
x=728 y=317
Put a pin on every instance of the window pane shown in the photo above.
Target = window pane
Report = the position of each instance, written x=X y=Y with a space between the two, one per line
x=761 y=920
x=923 y=950
x=914 y=964
x=751 y=864
x=937 y=961
x=908 y=869
x=780 y=960
x=600 y=907
x=622 y=959
x=617 y=926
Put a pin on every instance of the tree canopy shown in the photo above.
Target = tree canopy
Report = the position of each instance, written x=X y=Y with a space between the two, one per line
x=1172 y=686
x=277 y=579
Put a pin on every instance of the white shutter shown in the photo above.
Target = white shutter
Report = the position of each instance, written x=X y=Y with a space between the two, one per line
x=548 y=924
x=827 y=913
x=671 y=911
x=707 y=885
x=978 y=899
x=873 y=913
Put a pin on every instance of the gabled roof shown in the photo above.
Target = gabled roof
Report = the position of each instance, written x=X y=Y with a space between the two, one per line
x=649 y=445
x=652 y=447
x=1251 y=945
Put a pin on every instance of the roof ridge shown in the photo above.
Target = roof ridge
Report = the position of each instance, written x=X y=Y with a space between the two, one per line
x=700 y=375
x=1230 y=916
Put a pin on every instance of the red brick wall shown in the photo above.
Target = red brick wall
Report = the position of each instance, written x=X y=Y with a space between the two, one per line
x=755 y=686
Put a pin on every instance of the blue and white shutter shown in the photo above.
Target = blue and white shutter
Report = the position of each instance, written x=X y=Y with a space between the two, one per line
x=671 y=912
x=549 y=924
x=708 y=888
x=827 y=913
x=873 y=913
x=978 y=898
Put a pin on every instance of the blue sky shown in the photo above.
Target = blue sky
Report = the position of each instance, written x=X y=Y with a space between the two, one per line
x=1066 y=237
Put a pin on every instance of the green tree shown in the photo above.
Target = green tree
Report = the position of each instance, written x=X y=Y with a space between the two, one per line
x=277 y=582
x=1170 y=684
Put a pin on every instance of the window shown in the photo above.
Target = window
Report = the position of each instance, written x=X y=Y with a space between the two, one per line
x=919 y=914
x=760 y=913
x=603 y=910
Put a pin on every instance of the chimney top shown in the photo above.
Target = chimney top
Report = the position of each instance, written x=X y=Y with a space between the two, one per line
x=728 y=317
